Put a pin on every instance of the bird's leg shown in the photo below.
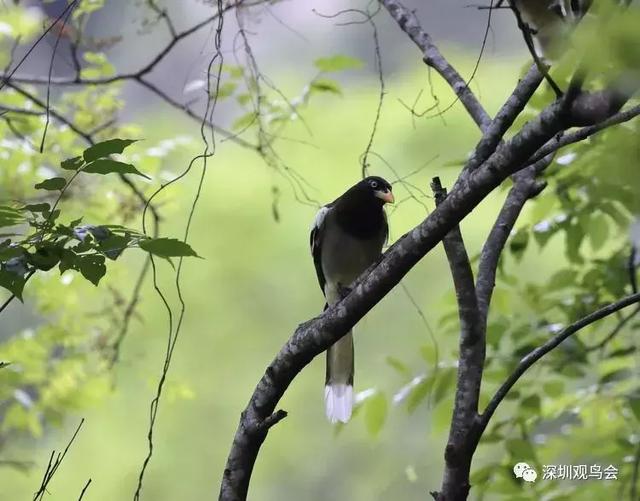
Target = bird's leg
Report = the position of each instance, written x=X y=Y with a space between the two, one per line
x=343 y=290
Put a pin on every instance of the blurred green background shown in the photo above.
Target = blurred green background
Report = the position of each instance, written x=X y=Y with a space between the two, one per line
x=256 y=283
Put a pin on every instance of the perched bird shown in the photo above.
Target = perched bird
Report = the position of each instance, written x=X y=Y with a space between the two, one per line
x=346 y=238
x=550 y=22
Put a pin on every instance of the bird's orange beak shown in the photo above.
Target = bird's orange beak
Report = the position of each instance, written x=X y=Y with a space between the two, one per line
x=387 y=196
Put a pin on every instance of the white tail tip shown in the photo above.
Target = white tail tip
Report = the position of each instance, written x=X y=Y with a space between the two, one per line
x=338 y=402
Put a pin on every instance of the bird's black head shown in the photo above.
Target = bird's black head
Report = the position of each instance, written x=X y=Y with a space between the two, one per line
x=378 y=187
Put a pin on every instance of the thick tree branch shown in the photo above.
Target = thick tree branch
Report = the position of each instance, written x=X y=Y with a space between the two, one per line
x=458 y=454
x=525 y=186
x=433 y=58
x=505 y=117
x=536 y=354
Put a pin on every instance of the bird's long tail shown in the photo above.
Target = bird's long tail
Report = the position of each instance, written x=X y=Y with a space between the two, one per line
x=338 y=389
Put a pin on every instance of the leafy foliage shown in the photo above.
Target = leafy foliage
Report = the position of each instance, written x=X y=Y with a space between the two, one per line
x=73 y=246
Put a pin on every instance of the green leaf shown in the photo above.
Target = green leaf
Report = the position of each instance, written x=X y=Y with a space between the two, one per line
x=10 y=216
x=418 y=393
x=553 y=389
x=72 y=163
x=573 y=238
x=13 y=282
x=520 y=449
x=326 y=85
x=226 y=89
x=234 y=71
x=244 y=121
x=531 y=403
x=518 y=242
x=445 y=382
x=92 y=268
x=45 y=257
x=634 y=405
x=55 y=183
x=337 y=63
x=597 y=231
x=114 y=245
x=562 y=279
x=399 y=366
x=167 y=247
x=107 y=166
x=36 y=208
x=375 y=413
x=7 y=251
x=69 y=261
x=106 y=148
x=429 y=354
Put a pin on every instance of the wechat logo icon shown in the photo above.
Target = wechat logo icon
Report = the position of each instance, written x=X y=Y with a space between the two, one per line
x=525 y=472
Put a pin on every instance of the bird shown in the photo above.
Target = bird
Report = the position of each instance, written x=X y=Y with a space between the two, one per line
x=347 y=236
x=550 y=22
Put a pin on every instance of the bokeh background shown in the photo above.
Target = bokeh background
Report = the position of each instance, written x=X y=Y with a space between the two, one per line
x=256 y=280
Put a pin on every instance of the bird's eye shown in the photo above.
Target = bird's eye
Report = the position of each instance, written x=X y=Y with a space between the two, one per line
x=374 y=184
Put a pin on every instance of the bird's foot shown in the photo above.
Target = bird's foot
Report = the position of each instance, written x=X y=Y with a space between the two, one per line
x=344 y=291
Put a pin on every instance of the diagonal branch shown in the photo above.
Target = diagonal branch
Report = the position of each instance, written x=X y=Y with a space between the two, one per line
x=434 y=58
x=585 y=132
x=533 y=356
x=525 y=187
x=315 y=336
x=505 y=117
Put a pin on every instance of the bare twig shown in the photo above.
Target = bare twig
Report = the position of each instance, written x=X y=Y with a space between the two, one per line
x=138 y=75
x=51 y=63
x=84 y=489
x=536 y=354
x=585 y=132
x=433 y=58
x=8 y=75
x=208 y=151
x=55 y=460
x=528 y=38
x=525 y=187
x=614 y=332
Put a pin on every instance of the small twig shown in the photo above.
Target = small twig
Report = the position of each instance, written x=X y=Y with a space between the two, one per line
x=51 y=63
x=433 y=58
x=533 y=356
x=7 y=76
x=53 y=465
x=84 y=489
x=585 y=132
x=526 y=33
x=274 y=419
x=614 y=332
x=19 y=111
